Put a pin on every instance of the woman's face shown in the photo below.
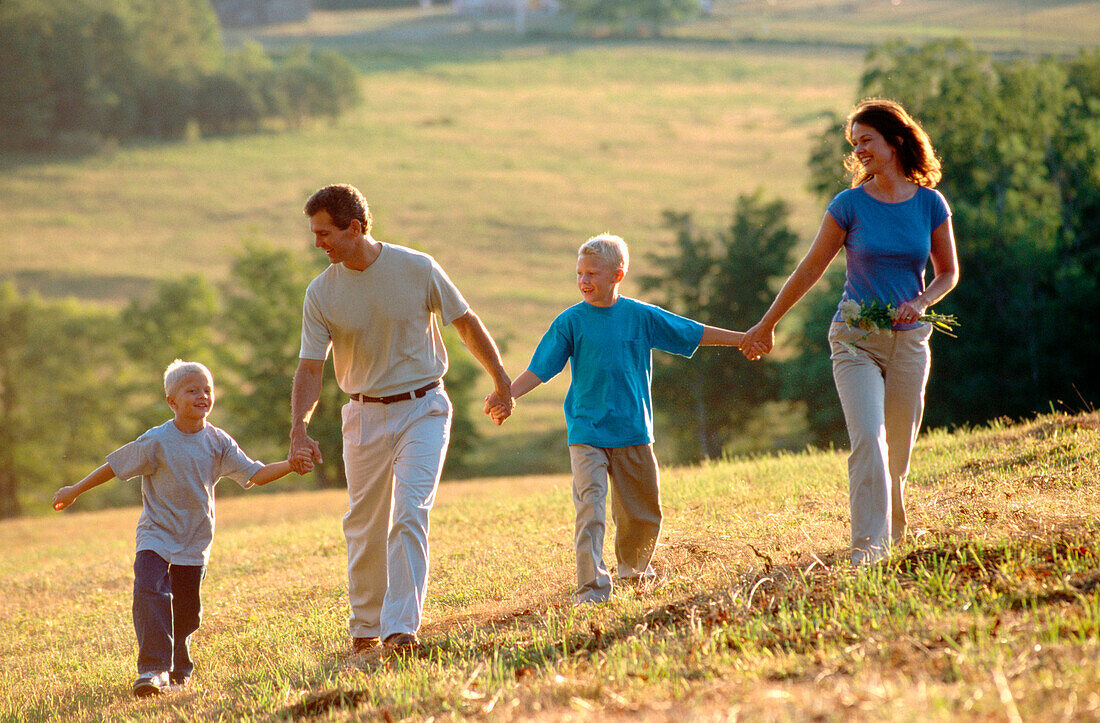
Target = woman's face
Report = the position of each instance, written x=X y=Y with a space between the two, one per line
x=872 y=150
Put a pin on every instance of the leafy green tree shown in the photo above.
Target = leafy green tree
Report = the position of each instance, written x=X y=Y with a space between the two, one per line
x=721 y=279
x=59 y=411
x=263 y=318
x=174 y=321
x=1020 y=145
x=77 y=72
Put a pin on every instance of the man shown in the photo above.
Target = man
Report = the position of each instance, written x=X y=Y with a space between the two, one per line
x=375 y=307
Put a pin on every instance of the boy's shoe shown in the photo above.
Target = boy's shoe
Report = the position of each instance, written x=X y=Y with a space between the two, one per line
x=176 y=683
x=150 y=684
x=402 y=644
x=364 y=645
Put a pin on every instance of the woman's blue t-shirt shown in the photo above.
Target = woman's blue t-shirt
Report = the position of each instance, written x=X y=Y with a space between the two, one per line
x=609 y=351
x=888 y=244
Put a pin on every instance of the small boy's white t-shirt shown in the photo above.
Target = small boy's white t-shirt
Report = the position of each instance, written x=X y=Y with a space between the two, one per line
x=178 y=472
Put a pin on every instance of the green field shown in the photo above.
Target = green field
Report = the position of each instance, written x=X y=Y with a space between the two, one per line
x=991 y=610
x=495 y=154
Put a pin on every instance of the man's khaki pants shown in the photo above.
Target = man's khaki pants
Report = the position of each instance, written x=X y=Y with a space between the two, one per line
x=393 y=456
x=635 y=508
x=880 y=380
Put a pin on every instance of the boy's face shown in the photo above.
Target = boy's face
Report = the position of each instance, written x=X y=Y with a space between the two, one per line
x=194 y=397
x=598 y=280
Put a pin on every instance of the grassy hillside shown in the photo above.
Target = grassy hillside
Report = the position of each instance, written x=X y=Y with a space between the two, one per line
x=990 y=611
x=497 y=155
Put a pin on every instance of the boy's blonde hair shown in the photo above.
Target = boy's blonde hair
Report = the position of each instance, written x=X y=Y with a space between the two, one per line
x=608 y=247
x=178 y=370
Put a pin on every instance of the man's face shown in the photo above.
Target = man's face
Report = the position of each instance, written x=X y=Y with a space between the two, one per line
x=337 y=243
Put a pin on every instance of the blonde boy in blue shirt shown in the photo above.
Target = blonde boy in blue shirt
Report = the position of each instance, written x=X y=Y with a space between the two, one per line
x=608 y=340
x=179 y=462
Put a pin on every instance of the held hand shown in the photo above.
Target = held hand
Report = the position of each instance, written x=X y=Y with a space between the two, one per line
x=64 y=497
x=497 y=408
x=304 y=453
x=757 y=341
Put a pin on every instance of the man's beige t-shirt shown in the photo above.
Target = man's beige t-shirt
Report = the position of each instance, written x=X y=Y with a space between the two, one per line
x=380 y=322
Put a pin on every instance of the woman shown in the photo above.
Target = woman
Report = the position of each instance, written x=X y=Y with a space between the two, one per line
x=890 y=224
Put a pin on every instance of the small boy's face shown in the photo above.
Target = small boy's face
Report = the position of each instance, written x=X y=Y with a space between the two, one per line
x=194 y=397
x=598 y=280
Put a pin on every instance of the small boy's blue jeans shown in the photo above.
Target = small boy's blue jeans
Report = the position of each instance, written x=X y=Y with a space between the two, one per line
x=167 y=611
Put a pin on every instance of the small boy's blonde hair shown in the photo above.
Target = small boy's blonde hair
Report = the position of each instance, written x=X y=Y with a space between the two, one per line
x=608 y=247
x=179 y=370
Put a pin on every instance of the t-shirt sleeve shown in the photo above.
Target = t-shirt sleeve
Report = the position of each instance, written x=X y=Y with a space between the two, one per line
x=235 y=464
x=134 y=459
x=673 y=333
x=552 y=352
x=444 y=298
x=941 y=210
x=840 y=208
x=316 y=340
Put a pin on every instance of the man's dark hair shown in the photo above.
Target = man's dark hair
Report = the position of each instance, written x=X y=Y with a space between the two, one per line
x=343 y=202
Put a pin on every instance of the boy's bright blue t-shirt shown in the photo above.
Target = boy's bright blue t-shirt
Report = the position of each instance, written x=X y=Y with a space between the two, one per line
x=888 y=244
x=609 y=351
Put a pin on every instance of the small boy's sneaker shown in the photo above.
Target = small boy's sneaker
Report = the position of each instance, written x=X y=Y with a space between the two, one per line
x=177 y=683
x=150 y=684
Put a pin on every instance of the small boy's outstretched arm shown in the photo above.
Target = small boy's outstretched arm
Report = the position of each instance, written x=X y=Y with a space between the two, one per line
x=271 y=472
x=67 y=495
x=717 y=336
x=522 y=384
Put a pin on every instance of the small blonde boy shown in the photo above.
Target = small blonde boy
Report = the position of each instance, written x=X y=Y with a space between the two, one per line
x=179 y=463
x=608 y=340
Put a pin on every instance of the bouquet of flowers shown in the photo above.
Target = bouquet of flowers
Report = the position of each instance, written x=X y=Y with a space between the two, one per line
x=878 y=318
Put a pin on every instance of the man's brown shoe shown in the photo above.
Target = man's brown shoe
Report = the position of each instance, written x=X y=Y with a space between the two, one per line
x=402 y=644
x=363 y=645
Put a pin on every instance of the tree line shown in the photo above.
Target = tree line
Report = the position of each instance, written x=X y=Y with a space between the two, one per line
x=79 y=73
x=1020 y=146
x=76 y=382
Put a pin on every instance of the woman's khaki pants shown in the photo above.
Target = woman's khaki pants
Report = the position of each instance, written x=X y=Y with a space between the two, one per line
x=880 y=380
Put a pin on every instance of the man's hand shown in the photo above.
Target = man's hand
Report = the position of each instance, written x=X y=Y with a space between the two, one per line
x=497 y=408
x=304 y=453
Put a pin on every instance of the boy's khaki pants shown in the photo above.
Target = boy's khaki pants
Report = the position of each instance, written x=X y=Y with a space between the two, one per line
x=393 y=456
x=635 y=508
x=881 y=381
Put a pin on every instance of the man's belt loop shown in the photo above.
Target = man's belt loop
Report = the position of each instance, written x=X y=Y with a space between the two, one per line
x=414 y=394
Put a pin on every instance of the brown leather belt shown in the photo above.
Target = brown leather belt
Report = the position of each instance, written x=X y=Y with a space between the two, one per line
x=414 y=394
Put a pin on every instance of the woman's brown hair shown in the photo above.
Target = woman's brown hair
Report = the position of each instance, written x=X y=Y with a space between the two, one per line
x=905 y=136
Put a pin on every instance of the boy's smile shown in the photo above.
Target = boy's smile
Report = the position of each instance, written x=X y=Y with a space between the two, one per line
x=598 y=280
x=192 y=402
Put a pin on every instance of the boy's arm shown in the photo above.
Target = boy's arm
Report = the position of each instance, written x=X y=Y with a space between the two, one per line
x=717 y=336
x=67 y=495
x=271 y=472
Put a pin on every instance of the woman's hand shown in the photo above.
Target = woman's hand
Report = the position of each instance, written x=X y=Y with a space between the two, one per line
x=757 y=341
x=910 y=312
